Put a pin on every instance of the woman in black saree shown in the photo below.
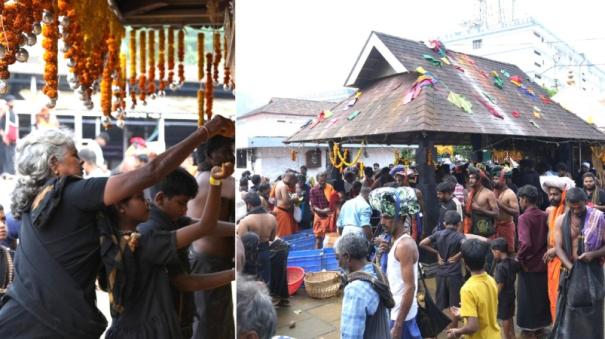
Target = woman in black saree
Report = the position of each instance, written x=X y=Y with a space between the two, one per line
x=56 y=263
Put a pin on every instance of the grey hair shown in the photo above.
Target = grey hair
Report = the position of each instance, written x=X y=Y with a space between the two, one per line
x=255 y=311
x=355 y=245
x=35 y=154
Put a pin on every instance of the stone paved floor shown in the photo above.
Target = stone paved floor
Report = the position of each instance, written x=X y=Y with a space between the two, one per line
x=319 y=318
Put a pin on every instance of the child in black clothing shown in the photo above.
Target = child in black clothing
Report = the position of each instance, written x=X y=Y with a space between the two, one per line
x=139 y=284
x=167 y=213
x=505 y=275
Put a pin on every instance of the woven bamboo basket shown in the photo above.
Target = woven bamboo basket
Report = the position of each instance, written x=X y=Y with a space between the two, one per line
x=322 y=285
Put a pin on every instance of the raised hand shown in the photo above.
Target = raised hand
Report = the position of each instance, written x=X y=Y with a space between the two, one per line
x=224 y=171
x=219 y=125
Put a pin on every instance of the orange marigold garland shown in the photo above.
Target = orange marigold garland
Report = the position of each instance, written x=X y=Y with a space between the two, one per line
x=170 y=55
x=122 y=82
x=161 y=59
x=200 y=56
x=50 y=31
x=133 y=67
x=151 y=70
x=227 y=69
x=217 y=54
x=209 y=86
x=107 y=80
x=12 y=17
x=142 y=65
x=200 y=107
x=181 y=56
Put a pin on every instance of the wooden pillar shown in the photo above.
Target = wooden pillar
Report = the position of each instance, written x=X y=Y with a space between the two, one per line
x=476 y=144
x=332 y=173
x=427 y=182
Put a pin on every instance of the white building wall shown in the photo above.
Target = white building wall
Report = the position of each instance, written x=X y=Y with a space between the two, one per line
x=267 y=125
x=518 y=43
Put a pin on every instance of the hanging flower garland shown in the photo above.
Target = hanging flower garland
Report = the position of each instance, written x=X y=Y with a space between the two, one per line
x=227 y=69
x=161 y=59
x=133 y=67
x=181 y=56
x=119 y=84
x=151 y=76
x=50 y=31
x=334 y=158
x=107 y=80
x=170 y=55
x=218 y=54
x=209 y=86
x=200 y=107
x=200 y=56
x=142 y=65
x=343 y=157
x=13 y=20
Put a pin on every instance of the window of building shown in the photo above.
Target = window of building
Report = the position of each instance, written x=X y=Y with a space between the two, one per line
x=477 y=43
x=537 y=64
x=537 y=53
x=241 y=158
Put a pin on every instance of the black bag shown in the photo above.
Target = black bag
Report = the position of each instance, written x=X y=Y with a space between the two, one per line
x=379 y=283
x=431 y=320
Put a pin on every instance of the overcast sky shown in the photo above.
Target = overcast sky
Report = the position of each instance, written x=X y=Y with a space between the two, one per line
x=296 y=48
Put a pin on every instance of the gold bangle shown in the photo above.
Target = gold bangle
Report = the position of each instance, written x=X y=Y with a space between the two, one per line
x=214 y=182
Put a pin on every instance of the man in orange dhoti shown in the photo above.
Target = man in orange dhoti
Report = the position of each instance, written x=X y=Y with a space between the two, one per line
x=324 y=220
x=284 y=206
x=555 y=187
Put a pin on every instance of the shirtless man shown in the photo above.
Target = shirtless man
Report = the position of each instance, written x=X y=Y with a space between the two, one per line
x=271 y=261
x=481 y=207
x=508 y=206
x=284 y=205
x=580 y=243
x=214 y=308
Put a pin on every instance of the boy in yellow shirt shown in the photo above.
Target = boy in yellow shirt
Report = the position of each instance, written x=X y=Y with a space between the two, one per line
x=478 y=296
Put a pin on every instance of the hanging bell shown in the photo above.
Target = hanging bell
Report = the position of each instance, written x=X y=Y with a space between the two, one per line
x=119 y=110
x=2 y=51
x=161 y=93
x=22 y=40
x=89 y=105
x=3 y=86
x=120 y=123
x=80 y=90
x=31 y=39
x=51 y=103
x=48 y=17
x=36 y=28
x=70 y=63
x=22 y=55
x=64 y=20
x=106 y=121
x=153 y=96
x=73 y=85
x=173 y=86
x=64 y=48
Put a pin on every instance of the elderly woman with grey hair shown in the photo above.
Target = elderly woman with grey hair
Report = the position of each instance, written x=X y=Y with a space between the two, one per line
x=256 y=318
x=57 y=261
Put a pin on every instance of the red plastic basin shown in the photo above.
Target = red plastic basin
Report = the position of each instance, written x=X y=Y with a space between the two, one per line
x=296 y=276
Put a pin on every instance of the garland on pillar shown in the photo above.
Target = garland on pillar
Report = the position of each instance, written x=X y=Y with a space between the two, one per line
x=209 y=86
x=151 y=76
x=181 y=56
x=161 y=59
x=218 y=55
x=142 y=66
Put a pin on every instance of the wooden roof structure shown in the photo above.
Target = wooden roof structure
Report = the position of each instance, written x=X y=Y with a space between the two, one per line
x=386 y=70
x=292 y=107
x=151 y=13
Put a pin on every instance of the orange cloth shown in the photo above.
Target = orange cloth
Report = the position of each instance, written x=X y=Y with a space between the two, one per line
x=553 y=268
x=285 y=222
x=323 y=225
x=468 y=209
x=328 y=191
x=506 y=230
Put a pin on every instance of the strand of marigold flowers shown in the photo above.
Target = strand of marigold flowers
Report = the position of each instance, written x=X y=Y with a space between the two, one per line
x=50 y=42
x=151 y=70
x=117 y=83
x=209 y=86
x=181 y=56
x=200 y=107
x=142 y=65
x=123 y=81
x=200 y=56
x=170 y=55
x=217 y=54
x=227 y=69
x=161 y=59
x=107 y=80
x=133 y=67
